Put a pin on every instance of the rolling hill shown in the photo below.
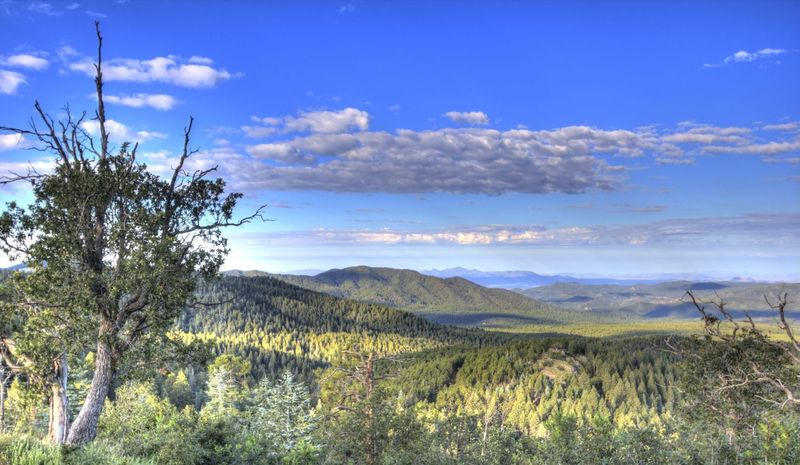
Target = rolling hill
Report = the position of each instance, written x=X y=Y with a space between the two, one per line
x=664 y=300
x=445 y=300
x=277 y=325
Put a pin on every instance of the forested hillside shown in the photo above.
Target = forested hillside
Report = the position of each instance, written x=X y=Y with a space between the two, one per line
x=661 y=300
x=366 y=383
x=447 y=300
x=276 y=325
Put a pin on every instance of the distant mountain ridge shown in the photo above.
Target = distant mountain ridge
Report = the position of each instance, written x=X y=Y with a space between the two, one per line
x=452 y=300
x=665 y=300
x=520 y=279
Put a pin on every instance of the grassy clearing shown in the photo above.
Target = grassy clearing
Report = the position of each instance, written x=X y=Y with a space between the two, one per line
x=624 y=329
x=617 y=329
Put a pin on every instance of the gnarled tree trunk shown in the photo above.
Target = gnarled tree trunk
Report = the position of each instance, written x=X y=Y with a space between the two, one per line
x=84 y=428
x=59 y=404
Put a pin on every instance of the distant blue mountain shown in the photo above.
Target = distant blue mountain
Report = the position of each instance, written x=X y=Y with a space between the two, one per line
x=526 y=279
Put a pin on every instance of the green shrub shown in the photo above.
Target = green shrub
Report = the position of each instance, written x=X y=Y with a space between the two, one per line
x=141 y=424
x=25 y=450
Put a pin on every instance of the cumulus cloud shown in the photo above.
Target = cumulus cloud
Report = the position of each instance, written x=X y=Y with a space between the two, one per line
x=329 y=121
x=468 y=117
x=118 y=132
x=40 y=165
x=161 y=102
x=468 y=160
x=336 y=151
x=743 y=56
x=27 y=61
x=321 y=121
x=10 y=82
x=10 y=141
x=169 y=69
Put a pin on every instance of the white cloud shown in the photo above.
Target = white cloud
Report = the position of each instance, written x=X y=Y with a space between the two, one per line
x=748 y=229
x=466 y=160
x=39 y=165
x=258 y=131
x=571 y=159
x=793 y=126
x=65 y=52
x=743 y=56
x=706 y=134
x=321 y=121
x=347 y=9
x=118 y=132
x=25 y=61
x=73 y=6
x=169 y=70
x=329 y=121
x=674 y=161
x=10 y=81
x=468 y=117
x=161 y=102
x=10 y=141
x=767 y=148
x=200 y=60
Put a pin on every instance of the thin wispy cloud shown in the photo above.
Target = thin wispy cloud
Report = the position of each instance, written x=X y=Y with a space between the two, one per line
x=347 y=9
x=793 y=126
x=7 y=8
x=43 y=8
x=743 y=56
x=747 y=229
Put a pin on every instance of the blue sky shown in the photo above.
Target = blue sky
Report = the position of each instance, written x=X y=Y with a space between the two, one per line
x=613 y=138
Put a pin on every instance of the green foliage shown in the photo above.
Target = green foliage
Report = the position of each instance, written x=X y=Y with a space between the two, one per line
x=439 y=299
x=277 y=326
x=280 y=416
x=25 y=450
x=144 y=425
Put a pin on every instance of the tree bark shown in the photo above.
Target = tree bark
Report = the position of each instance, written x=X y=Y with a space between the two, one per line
x=3 y=405
x=59 y=404
x=84 y=428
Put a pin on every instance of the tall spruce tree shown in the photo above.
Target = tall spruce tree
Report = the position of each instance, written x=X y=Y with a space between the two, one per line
x=112 y=247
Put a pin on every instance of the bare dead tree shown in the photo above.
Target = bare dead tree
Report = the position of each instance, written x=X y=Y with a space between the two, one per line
x=117 y=249
x=721 y=325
